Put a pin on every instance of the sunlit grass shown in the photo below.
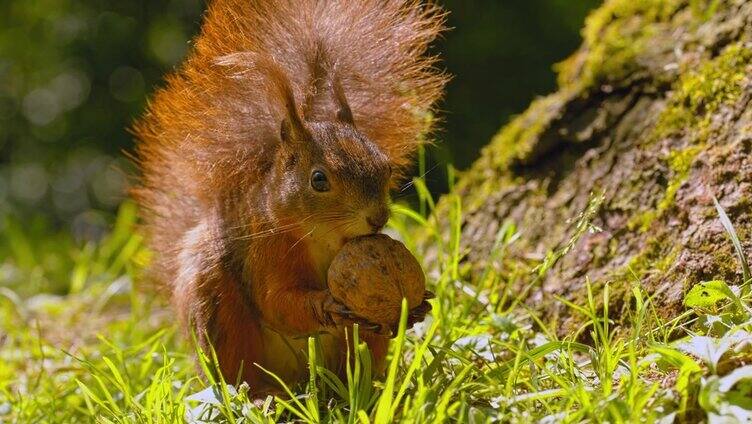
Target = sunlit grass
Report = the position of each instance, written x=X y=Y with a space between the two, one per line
x=101 y=350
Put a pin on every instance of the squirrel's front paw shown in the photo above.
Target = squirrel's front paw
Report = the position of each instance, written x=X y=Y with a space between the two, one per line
x=339 y=315
x=418 y=313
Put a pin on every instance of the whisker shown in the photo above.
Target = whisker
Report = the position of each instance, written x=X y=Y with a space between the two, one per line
x=334 y=219
x=412 y=182
x=269 y=232
x=345 y=224
x=299 y=240
x=270 y=221
x=264 y=234
x=281 y=229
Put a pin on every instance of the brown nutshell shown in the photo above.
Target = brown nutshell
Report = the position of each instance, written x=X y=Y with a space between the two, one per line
x=371 y=275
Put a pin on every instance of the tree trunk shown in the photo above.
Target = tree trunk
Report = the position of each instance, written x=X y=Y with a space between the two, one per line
x=653 y=111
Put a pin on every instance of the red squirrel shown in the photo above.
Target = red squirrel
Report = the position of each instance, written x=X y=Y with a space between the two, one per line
x=275 y=142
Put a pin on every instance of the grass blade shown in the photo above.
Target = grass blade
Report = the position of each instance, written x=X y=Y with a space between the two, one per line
x=729 y=227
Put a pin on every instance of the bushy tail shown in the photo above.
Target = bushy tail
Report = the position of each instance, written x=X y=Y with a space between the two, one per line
x=377 y=49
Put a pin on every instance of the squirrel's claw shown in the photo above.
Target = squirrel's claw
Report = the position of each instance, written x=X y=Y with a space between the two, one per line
x=339 y=315
x=418 y=313
x=348 y=319
x=374 y=328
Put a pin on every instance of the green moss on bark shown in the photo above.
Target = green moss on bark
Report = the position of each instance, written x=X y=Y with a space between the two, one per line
x=614 y=36
x=699 y=94
x=696 y=97
x=516 y=140
x=679 y=163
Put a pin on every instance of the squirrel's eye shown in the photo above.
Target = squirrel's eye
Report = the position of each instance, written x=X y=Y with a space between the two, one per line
x=319 y=182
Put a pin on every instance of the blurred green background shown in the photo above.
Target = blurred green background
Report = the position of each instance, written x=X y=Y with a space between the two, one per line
x=75 y=73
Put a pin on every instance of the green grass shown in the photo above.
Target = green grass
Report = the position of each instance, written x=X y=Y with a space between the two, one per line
x=79 y=344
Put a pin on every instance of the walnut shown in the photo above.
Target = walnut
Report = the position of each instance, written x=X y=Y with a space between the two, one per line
x=371 y=274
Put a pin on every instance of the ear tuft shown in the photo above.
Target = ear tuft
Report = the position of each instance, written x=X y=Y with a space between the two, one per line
x=292 y=129
x=285 y=131
x=344 y=114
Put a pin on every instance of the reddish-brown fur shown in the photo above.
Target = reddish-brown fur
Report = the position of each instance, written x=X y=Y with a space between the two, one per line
x=273 y=90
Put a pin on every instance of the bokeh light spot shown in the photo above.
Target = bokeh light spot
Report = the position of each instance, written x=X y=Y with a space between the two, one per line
x=41 y=106
x=127 y=84
x=28 y=182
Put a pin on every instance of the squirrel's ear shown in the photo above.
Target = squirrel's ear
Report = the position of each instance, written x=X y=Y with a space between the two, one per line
x=344 y=113
x=293 y=130
x=285 y=132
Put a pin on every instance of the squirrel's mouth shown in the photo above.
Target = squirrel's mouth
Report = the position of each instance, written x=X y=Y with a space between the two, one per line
x=338 y=235
x=345 y=239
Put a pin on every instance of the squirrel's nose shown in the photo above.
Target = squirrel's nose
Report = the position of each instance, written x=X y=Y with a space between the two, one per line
x=378 y=218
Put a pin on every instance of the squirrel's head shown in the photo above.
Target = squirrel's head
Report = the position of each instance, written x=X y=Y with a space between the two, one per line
x=331 y=177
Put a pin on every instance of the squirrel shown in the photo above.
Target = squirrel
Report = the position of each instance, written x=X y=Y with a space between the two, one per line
x=276 y=141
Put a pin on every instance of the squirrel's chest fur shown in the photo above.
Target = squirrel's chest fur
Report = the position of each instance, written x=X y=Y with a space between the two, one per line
x=287 y=356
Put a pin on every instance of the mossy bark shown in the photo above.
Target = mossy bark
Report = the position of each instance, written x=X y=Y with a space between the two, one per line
x=654 y=111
